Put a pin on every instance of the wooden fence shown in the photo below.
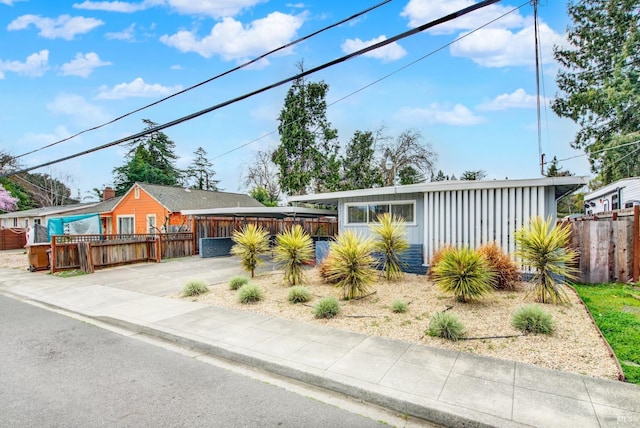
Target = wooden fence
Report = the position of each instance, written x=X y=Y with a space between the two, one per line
x=608 y=245
x=87 y=252
x=12 y=239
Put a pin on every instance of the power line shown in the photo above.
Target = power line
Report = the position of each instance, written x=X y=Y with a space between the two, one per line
x=300 y=75
x=599 y=151
x=197 y=85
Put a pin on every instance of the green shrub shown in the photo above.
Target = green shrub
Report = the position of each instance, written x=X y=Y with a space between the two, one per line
x=294 y=248
x=463 y=272
x=299 y=294
x=250 y=293
x=194 y=288
x=446 y=325
x=327 y=307
x=533 y=319
x=390 y=231
x=250 y=242
x=237 y=282
x=399 y=306
x=507 y=274
x=351 y=264
x=544 y=248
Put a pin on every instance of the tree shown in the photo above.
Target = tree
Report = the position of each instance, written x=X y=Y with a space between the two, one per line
x=261 y=173
x=555 y=171
x=261 y=195
x=473 y=175
x=359 y=163
x=150 y=159
x=48 y=189
x=439 y=176
x=410 y=175
x=599 y=83
x=201 y=171
x=307 y=154
x=407 y=150
x=7 y=202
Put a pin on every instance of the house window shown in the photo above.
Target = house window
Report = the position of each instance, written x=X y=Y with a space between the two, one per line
x=15 y=222
x=364 y=213
x=136 y=193
x=151 y=223
x=126 y=225
x=36 y=221
x=615 y=204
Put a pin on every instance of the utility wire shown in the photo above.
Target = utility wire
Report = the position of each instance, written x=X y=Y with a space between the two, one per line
x=300 y=75
x=396 y=71
x=246 y=64
x=599 y=151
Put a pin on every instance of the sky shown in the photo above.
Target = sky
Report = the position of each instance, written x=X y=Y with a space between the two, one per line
x=66 y=66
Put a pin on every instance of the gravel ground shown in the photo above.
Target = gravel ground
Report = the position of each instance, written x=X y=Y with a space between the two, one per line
x=575 y=346
x=14 y=259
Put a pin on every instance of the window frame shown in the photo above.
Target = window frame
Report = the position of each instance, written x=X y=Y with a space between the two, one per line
x=155 y=224
x=368 y=205
x=133 y=224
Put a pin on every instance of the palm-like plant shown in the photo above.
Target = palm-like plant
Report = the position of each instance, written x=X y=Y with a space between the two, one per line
x=351 y=264
x=294 y=247
x=250 y=242
x=465 y=273
x=391 y=242
x=544 y=248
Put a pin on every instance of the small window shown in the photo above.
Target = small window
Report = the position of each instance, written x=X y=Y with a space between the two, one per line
x=615 y=204
x=403 y=210
x=136 y=193
x=36 y=221
x=377 y=210
x=357 y=214
x=126 y=225
x=15 y=222
x=151 y=223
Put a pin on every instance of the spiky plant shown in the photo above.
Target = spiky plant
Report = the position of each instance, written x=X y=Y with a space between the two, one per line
x=445 y=325
x=351 y=264
x=294 y=247
x=533 y=319
x=544 y=248
x=465 y=273
x=437 y=256
x=250 y=242
x=507 y=274
x=390 y=240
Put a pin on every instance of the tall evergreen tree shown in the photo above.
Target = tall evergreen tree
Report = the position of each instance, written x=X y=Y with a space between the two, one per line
x=151 y=159
x=307 y=154
x=201 y=172
x=358 y=164
x=599 y=83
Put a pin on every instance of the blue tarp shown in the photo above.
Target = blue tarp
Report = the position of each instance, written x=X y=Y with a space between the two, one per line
x=85 y=224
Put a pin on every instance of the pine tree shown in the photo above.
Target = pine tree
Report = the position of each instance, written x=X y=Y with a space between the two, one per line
x=201 y=172
x=358 y=163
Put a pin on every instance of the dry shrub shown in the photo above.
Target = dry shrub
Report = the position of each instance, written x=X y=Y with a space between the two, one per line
x=507 y=274
x=323 y=270
x=435 y=259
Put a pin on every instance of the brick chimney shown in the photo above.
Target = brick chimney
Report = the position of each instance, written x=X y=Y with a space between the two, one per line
x=108 y=193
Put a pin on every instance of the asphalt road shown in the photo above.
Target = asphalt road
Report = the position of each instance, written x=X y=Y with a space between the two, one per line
x=57 y=371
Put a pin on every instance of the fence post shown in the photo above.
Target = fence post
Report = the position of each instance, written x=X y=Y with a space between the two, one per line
x=159 y=248
x=53 y=255
x=636 y=242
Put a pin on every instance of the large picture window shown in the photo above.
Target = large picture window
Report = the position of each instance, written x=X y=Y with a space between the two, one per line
x=368 y=212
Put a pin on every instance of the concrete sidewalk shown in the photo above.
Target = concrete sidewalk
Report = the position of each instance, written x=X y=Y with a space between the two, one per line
x=446 y=387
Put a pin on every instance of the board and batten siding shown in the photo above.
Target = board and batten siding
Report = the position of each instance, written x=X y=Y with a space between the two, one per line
x=415 y=231
x=473 y=217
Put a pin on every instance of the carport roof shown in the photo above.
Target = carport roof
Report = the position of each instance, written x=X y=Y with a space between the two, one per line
x=264 y=212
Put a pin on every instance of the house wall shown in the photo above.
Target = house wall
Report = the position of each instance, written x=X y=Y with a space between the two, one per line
x=138 y=208
x=475 y=217
x=602 y=199
x=415 y=231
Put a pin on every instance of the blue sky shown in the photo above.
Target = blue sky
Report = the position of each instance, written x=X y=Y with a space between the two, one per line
x=69 y=65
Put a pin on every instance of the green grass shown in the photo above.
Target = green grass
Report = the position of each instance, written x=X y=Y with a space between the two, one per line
x=617 y=314
x=69 y=273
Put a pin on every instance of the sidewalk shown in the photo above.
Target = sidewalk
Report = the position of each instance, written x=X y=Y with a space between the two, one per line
x=442 y=386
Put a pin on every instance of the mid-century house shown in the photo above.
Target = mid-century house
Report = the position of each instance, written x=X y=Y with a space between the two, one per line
x=152 y=208
x=623 y=193
x=26 y=218
x=459 y=213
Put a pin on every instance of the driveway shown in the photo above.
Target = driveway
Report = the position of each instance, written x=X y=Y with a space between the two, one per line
x=169 y=276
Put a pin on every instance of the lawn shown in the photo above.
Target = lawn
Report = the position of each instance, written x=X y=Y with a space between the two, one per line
x=616 y=309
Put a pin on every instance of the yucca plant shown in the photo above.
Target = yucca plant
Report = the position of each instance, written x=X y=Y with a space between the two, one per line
x=390 y=240
x=294 y=247
x=351 y=264
x=250 y=242
x=544 y=248
x=465 y=273
x=436 y=257
x=507 y=274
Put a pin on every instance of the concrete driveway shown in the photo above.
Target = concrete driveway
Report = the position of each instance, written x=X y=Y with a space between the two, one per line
x=168 y=277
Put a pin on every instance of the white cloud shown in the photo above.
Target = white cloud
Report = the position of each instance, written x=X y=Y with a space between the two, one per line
x=420 y=12
x=78 y=108
x=128 y=34
x=31 y=139
x=35 y=65
x=176 y=67
x=63 y=27
x=388 y=53
x=10 y=2
x=517 y=99
x=231 y=40
x=136 y=89
x=434 y=114
x=83 y=65
x=296 y=5
x=115 y=6
x=494 y=47
x=213 y=8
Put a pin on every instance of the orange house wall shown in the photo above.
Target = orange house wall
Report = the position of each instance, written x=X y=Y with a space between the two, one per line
x=139 y=208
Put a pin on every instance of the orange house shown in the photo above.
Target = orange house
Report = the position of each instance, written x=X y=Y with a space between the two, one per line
x=152 y=208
